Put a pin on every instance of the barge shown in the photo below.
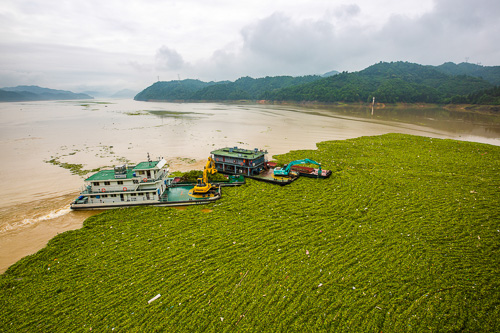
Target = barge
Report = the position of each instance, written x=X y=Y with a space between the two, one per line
x=146 y=184
x=253 y=164
x=311 y=172
x=249 y=163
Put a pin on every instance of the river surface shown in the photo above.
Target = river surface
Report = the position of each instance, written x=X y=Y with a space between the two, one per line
x=37 y=136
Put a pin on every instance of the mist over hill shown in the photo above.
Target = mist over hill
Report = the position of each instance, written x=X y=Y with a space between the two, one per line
x=36 y=93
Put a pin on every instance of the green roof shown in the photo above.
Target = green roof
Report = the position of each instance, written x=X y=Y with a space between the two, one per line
x=239 y=152
x=108 y=175
x=146 y=165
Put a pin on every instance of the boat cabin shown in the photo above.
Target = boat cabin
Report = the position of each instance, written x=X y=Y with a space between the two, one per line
x=143 y=182
x=234 y=160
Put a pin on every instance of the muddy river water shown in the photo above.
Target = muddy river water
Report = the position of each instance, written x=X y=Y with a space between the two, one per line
x=36 y=137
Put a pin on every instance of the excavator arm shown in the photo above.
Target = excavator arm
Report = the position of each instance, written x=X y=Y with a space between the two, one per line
x=202 y=185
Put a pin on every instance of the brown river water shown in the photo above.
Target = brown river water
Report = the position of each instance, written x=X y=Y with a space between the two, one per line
x=35 y=196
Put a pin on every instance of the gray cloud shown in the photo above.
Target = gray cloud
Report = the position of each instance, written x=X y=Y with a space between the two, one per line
x=453 y=31
x=128 y=45
x=279 y=44
x=281 y=38
x=168 y=59
x=347 y=11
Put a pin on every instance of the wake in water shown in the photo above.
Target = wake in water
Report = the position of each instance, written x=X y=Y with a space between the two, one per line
x=19 y=216
x=29 y=221
x=26 y=228
x=49 y=216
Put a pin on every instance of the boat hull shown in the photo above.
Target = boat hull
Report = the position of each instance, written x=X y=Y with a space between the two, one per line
x=114 y=205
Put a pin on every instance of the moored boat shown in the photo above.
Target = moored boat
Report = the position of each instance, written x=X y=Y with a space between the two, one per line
x=145 y=184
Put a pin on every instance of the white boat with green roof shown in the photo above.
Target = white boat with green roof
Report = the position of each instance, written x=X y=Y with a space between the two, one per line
x=144 y=184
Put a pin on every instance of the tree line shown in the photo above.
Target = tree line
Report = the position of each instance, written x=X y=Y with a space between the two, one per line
x=395 y=82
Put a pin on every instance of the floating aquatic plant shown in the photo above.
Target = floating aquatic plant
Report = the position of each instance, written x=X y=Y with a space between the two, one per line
x=402 y=237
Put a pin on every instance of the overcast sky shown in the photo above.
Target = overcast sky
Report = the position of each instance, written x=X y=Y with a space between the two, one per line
x=127 y=44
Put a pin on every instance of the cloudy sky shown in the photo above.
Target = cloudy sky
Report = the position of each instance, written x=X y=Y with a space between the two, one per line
x=128 y=44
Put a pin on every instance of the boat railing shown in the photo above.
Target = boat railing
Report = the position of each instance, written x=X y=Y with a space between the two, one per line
x=113 y=189
x=116 y=189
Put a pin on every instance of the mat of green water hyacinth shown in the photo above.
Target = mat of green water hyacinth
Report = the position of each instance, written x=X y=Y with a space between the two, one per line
x=404 y=236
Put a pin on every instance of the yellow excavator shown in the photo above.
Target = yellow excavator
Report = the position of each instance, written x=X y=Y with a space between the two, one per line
x=202 y=185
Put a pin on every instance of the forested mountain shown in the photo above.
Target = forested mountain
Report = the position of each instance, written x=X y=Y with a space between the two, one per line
x=485 y=97
x=490 y=74
x=172 y=90
x=243 y=88
x=249 y=88
x=35 y=93
x=387 y=82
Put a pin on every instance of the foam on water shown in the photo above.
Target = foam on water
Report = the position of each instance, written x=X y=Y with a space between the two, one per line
x=29 y=221
x=49 y=216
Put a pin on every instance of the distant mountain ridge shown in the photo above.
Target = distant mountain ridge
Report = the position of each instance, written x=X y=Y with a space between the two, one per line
x=388 y=82
x=36 y=93
x=330 y=73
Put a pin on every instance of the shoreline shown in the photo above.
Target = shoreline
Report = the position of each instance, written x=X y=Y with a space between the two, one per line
x=472 y=108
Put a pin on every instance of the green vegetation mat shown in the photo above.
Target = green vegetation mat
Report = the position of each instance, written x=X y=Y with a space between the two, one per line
x=403 y=237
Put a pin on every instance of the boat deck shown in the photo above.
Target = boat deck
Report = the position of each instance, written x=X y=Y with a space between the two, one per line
x=268 y=176
x=312 y=172
x=182 y=194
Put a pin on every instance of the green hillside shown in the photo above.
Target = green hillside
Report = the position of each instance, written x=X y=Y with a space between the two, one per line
x=403 y=237
x=249 y=88
x=171 y=90
x=388 y=83
x=485 y=97
x=243 y=88
x=489 y=73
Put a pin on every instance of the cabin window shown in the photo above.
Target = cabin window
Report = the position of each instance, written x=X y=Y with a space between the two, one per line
x=104 y=195
x=95 y=183
x=107 y=183
x=140 y=193
x=133 y=194
x=136 y=181
x=113 y=195
x=120 y=182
